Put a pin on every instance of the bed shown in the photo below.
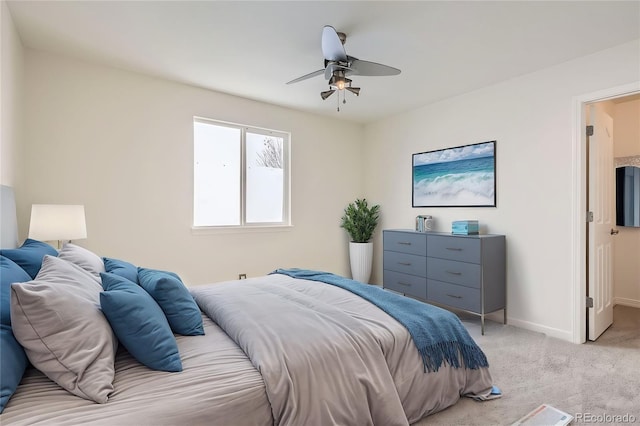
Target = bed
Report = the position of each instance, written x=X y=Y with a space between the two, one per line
x=278 y=349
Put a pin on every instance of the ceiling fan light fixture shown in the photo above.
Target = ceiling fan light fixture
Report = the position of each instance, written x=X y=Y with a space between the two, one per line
x=339 y=81
x=326 y=94
x=354 y=90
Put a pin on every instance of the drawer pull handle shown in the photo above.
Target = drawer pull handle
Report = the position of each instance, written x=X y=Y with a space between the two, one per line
x=404 y=263
x=404 y=243
x=404 y=284
x=455 y=297
x=454 y=273
x=454 y=248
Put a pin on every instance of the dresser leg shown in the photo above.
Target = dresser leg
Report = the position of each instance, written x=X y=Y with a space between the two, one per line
x=505 y=316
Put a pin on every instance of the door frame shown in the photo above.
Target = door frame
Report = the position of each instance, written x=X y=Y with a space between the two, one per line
x=578 y=202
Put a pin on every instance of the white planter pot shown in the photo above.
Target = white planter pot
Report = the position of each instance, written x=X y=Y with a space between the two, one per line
x=361 y=258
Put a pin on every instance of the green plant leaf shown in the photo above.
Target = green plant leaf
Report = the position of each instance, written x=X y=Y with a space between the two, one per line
x=360 y=220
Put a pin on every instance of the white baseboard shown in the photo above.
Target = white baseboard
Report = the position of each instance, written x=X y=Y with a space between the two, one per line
x=549 y=331
x=556 y=332
x=626 y=302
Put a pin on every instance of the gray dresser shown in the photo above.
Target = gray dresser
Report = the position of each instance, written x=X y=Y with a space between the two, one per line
x=465 y=272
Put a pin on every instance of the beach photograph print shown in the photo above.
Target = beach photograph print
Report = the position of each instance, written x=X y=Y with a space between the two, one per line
x=463 y=176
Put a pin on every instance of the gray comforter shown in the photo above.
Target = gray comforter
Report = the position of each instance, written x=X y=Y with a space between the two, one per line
x=217 y=387
x=329 y=357
x=306 y=354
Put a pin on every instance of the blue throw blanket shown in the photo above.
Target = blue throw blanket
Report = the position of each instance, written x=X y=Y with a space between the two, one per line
x=438 y=334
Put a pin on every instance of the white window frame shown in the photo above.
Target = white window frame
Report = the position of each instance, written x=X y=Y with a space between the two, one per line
x=286 y=195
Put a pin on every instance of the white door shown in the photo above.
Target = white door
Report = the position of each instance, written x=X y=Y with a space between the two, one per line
x=601 y=204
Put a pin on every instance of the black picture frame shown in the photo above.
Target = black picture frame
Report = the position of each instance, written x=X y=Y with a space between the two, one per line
x=461 y=176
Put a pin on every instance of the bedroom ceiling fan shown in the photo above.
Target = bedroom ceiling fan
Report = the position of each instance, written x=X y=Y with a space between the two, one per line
x=338 y=66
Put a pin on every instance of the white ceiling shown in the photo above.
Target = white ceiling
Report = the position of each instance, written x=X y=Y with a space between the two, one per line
x=250 y=49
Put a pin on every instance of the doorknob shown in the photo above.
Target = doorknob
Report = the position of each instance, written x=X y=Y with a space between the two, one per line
x=614 y=231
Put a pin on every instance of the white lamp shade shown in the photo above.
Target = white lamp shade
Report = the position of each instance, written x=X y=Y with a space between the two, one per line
x=50 y=222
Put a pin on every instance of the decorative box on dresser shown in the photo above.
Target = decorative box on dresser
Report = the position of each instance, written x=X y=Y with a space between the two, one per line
x=466 y=272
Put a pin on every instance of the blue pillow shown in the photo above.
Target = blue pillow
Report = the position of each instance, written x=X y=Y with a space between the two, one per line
x=29 y=255
x=10 y=272
x=13 y=362
x=121 y=268
x=176 y=302
x=139 y=323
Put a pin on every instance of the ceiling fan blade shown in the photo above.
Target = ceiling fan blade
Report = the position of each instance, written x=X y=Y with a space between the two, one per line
x=354 y=90
x=360 y=67
x=332 y=47
x=326 y=94
x=331 y=67
x=304 y=77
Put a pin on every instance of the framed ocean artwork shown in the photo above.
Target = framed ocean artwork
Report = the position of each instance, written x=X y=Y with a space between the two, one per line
x=463 y=176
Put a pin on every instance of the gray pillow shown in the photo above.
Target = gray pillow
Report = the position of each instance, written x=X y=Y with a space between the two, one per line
x=82 y=257
x=57 y=319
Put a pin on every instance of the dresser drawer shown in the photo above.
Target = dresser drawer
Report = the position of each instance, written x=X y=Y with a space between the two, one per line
x=462 y=273
x=405 y=283
x=405 y=263
x=463 y=249
x=456 y=296
x=405 y=242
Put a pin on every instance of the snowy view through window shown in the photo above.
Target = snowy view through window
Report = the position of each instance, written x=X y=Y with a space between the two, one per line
x=219 y=176
x=264 y=178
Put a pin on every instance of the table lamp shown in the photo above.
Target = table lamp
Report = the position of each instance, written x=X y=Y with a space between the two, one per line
x=57 y=222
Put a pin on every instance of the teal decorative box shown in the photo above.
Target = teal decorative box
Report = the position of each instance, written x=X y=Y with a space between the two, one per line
x=465 y=227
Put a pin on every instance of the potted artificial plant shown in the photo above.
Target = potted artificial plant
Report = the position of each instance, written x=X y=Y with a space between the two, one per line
x=360 y=220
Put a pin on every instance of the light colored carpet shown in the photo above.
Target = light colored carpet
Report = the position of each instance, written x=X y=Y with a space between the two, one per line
x=599 y=378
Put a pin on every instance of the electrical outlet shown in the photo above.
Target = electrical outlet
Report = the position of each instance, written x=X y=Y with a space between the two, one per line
x=242 y=276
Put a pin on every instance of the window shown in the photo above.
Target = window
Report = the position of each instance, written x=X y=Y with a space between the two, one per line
x=241 y=175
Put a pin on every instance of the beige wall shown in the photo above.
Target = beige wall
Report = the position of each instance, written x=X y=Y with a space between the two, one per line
x=121 y=144
x=532 y=119
x=626 y=272
x=11 y=94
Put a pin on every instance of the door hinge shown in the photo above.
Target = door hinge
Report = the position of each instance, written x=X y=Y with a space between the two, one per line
x=589 y=216
x=589 y=302
x=589 y=130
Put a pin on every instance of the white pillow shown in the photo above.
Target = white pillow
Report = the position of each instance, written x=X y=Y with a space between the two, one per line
x=84 y=258
x=57 y=319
